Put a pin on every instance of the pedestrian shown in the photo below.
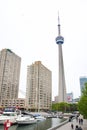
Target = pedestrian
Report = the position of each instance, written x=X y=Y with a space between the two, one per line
x=72 y=126
x=76 y=128
x=80 y=128
x=81 y=121
x=77 y=118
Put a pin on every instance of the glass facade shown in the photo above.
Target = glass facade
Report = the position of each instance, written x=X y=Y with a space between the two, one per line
x=83 y=80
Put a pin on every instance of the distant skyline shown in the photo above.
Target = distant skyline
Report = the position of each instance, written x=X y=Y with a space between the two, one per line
x=83 y=80
x=29 y=29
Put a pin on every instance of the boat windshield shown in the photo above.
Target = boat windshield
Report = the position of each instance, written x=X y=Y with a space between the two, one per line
x=8 y=114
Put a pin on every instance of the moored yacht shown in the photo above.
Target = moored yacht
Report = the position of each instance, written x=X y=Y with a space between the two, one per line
x=26 y=120
x=10 y=114
x=40 y=118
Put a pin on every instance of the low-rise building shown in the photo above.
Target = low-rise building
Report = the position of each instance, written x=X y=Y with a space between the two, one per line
x=19 y=103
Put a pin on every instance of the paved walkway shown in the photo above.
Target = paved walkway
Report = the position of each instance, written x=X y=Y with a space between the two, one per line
x=67 y=126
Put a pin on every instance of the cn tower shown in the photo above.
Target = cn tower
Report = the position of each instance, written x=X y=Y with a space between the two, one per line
x=62 y=85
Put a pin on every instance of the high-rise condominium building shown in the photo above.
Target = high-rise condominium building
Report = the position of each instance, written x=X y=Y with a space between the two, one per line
x=83 y=80
x=9 y=74
x=39 y=87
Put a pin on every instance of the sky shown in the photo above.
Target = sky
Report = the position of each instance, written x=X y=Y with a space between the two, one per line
x=29 y=29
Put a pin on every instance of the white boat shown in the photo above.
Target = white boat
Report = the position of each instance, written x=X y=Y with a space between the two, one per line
x=26 y=120
x=40 y=118
x=11 y=116
x=9 y=113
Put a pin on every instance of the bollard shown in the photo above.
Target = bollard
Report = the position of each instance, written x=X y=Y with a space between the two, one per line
x=7 y=124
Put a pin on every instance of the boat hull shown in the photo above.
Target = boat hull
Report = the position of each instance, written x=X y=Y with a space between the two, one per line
x=26 y=122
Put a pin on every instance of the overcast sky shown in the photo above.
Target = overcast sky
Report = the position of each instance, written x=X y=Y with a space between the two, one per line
x=29 y=28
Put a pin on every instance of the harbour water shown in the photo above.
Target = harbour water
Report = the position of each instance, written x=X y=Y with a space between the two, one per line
x=40 y=125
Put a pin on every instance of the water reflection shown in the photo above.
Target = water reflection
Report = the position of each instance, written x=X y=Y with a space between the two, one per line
x=1 y=127
x=41 y=125
x=26 y=127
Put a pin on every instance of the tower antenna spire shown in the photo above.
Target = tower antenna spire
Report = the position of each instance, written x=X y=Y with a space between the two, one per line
x=58 y=24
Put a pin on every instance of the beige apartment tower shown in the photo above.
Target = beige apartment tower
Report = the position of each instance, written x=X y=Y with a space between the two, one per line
x=39 y=87
x=9 y=74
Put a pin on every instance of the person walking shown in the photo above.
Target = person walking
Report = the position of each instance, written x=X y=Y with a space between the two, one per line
x=76 y=128
x=81 y=121
x=77 y=118
x=80 y=128
x=72 y=126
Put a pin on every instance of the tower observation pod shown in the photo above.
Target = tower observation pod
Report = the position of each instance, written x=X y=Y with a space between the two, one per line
x=61 y=86
x=59 y=40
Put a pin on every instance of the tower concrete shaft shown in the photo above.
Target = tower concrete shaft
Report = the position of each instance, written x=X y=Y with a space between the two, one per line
x=62 y=85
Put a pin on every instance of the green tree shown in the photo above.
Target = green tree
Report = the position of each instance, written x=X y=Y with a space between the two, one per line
x=64 y=107
x=73 y=107
x=55 y=107
x=82 y=104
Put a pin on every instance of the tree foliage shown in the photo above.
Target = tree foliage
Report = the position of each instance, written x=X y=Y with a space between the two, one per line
x=82 y=105
x=73 y=107
x=55 y=107
x=64 y=107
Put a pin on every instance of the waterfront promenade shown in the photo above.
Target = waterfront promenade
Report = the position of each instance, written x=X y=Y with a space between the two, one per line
x=67 y=126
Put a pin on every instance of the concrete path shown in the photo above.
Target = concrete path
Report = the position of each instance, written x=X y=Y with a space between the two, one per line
x=67 y=126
